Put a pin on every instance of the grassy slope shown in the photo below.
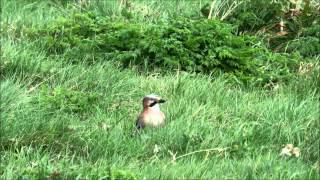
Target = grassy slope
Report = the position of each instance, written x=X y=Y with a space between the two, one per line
x=249 y=125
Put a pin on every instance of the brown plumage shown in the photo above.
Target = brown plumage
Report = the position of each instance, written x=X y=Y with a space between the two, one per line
x=151 y=114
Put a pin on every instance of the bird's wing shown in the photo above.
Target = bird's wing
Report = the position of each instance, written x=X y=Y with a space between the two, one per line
x=140 y=123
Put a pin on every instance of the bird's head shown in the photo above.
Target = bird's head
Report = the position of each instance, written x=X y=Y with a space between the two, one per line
x=152 y=100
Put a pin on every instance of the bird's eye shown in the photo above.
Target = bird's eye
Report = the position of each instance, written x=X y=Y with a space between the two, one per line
x=153 y=103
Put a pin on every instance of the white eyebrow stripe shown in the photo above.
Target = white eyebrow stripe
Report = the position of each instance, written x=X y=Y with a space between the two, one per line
x=153 y=96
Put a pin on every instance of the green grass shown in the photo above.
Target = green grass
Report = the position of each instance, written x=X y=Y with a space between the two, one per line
x=90 y=137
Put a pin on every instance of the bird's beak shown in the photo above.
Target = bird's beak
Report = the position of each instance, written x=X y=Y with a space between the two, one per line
x=161 y=101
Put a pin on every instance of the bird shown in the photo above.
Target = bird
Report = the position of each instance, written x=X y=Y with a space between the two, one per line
x=151 y=115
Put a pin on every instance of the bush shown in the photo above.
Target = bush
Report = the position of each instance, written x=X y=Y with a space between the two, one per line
x=252 y=15
x=307 y=42
x=202 y=45
x=67 y=100
x=301 y=24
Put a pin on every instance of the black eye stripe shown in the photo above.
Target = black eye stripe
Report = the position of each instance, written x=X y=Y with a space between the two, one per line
x=152 y=104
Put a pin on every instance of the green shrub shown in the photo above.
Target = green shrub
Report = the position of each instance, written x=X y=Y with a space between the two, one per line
x=67 y=100
x=302 y=27
x=206 y=46
x=252 y=15
x=307 y=42
x=122 y=174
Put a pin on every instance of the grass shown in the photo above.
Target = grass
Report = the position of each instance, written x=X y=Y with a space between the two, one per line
x=241 y=130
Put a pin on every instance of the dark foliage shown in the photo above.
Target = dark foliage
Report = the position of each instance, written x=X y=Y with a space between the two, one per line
x=206 y=46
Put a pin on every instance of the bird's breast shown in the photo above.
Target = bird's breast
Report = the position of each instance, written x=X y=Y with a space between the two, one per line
x=154 y=118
